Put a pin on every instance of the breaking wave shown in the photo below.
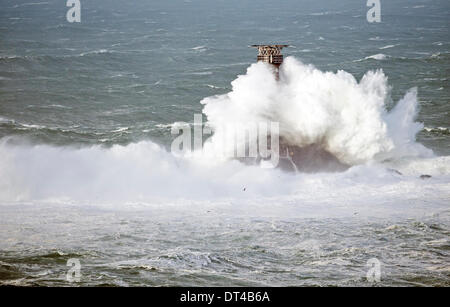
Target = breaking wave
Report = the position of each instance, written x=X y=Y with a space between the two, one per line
x=378 y=57
x=345 y=117
x=146 y=173
x=334 y=111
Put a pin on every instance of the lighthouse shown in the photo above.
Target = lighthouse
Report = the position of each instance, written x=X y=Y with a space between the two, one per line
x=271 y=54
x=307 y=158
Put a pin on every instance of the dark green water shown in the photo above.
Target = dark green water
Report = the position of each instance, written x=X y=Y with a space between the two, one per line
x=85 y=116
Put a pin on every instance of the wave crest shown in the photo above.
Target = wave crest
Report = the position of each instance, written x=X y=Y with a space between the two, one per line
x=345 y=117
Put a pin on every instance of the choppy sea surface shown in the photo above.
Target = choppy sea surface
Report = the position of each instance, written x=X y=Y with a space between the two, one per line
x=86 y=172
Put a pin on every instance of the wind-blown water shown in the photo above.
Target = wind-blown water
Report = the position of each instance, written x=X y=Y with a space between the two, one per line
x=347 y=118
x=86 y=170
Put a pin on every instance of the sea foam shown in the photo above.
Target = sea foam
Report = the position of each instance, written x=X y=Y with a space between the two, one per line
x=331 y=109
x=345 y=117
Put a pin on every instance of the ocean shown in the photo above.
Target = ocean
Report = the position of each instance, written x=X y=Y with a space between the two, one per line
x=87 y=175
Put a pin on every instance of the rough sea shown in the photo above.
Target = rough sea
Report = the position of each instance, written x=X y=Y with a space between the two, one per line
x=86 y=170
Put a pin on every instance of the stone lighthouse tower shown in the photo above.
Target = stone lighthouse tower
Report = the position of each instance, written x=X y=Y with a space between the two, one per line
x=271 y=54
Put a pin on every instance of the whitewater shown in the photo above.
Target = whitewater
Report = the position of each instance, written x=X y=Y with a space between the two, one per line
x=355 y=121
x=87 y=172
x=138 y=215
